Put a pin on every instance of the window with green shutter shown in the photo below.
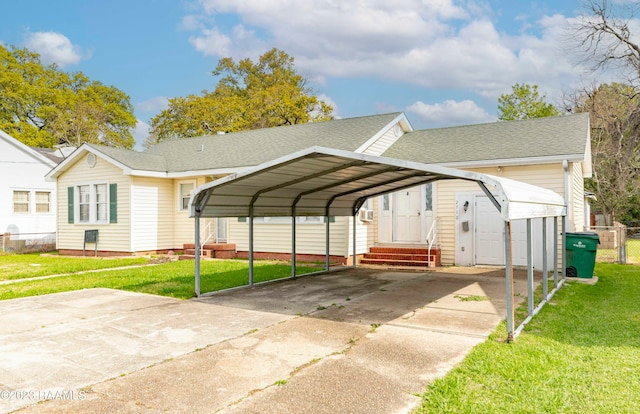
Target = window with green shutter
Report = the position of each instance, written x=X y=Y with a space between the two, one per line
x=113 y=203
x=71 y=207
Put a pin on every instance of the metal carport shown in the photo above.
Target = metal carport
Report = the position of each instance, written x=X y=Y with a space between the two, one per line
x=328 y=182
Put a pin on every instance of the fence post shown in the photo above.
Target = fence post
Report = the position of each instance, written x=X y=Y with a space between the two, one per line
x=622 y=244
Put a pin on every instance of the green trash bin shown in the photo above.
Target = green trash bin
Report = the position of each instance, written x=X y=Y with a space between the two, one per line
x=581 y=253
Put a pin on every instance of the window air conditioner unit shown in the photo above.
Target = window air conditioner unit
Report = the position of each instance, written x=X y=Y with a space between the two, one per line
x=365 y=215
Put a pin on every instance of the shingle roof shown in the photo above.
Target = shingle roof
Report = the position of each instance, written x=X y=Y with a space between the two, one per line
x=254 y=147
x=133 y=159
x=533 y=138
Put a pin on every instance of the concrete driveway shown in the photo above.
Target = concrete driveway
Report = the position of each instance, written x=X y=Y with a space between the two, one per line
x=358 y=341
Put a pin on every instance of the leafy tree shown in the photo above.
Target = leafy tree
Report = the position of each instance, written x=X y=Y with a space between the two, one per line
x=523 y=103
x=43 y=106
x=615 y=147
x=248 y=95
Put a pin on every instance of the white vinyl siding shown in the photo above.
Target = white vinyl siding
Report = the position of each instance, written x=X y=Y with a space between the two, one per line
x=276 y=238
x=22 y=169
x=379 y=146
x=577 y=202
x=548 y=176
x=151 y=221
x=115 y=237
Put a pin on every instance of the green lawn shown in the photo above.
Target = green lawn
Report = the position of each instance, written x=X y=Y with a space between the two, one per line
x=19 y=266
x=580 y=354
x=175 y=279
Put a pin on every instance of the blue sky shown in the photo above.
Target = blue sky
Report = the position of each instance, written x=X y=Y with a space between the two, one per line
x=442 y=62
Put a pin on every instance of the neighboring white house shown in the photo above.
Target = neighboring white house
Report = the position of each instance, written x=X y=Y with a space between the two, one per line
x=27 y=200
x=138 y=200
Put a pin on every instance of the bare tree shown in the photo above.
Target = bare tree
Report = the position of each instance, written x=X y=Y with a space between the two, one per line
x=605 y=39
x=604 y=36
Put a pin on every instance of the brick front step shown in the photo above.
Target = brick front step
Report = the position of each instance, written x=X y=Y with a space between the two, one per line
x=402 y=256
x=215 y=246
x=387 y=262
x=207 y=253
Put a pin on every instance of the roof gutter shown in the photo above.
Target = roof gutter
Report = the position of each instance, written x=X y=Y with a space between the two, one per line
x=505 y=162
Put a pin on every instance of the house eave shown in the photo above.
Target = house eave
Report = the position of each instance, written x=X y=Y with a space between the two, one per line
x=504 y=162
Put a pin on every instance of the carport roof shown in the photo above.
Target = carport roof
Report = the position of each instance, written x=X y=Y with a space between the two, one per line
x=321 y=181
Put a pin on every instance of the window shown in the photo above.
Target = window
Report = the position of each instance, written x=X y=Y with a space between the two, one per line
x=84 y=203
x=429 y=197
x=21 y=202
x=101 y=202
x=43 y=202
x=385 y=202
x=185 y=193
x=94 y=203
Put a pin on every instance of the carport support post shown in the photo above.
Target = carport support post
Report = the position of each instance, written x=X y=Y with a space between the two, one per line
x=326 y=239
x=509 y=278
x=545 y=266
x=197 y=248
x=354 y=240
x=564 y=247
x=293 y=241
x=555 y=252
x=251 y=246
x=529 y=270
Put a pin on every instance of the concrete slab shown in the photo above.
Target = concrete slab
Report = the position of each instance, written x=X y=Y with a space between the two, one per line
x=352 y=341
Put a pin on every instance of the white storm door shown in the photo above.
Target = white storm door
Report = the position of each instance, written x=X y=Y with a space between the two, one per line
x=406 y=215
x=489 y=240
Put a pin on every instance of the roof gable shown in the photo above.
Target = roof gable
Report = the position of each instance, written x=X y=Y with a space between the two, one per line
x=566 y=136
x=30 y=152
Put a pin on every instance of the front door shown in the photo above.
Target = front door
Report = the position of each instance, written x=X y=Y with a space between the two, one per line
x=406 y=215
x=489 y=243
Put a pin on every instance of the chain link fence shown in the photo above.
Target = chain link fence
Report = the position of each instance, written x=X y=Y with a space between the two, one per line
x=27 y=242
x=618 y=244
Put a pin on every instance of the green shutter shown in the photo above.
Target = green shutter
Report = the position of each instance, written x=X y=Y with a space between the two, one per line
x=113 y=203
x=71 y=207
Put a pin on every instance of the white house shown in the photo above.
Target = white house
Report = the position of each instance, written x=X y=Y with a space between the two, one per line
x=27 y=199
x=138 y=200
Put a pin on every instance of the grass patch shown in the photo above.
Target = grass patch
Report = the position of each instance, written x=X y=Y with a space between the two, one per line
x=174 y=279
x=471 y=298
x=581 y=355
x=23 y=266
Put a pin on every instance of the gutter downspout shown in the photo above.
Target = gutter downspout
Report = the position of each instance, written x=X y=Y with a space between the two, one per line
x=566 y=220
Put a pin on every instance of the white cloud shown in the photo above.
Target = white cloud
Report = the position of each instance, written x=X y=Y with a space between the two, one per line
x=53 y=47
x=140 y=134
x=159 y=103
x=434 y=44
x=450 y=113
